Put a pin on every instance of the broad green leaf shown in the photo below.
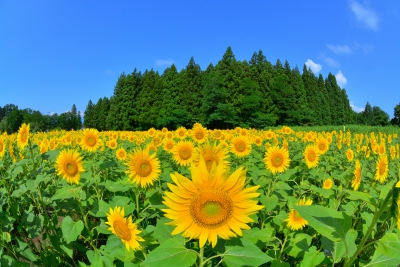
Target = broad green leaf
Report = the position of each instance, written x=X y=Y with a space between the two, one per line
x=338 y=249
x=326 y=193
x=171 y=253
x=162 y=232
x=269 y=202
x=33 y=223
x=71 y=229
x=389 y=245
x=277 y=263
x=247 y=254
x=300 y=243
x=266 y=234
x=100 y=208
x=328 y=222
x=379 y=260
x=119 y=201
x=355 y=195
x=312 y=258
x=94 y=258
x=66 y=192
x=118 y=249
x=386 y=189
x=118 y=186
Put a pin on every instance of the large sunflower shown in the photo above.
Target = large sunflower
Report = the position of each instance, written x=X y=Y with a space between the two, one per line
x=183 y=153
x=211 y=204
x=211 y=153
x=69 y=165
x=311 y=156
x=355 y=184
x=143 y=168
x=382 y=168
x=23 y=135
x=124 y=228
x=322 y=145
x=276 y=159
x=294 y=220
x=240 y=146
x=90 y=140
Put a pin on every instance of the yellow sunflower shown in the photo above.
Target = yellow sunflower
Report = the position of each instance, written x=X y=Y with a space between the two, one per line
x=350 y=154
x=210 y=204
x=169 y=145
x=2 y=147
x=23 y=135
x=327 y=184
x=181 y=132
x=276 y=159
x=294 y=220
x=211 y=153
x=322 y=145
x=382 y=168
x=199 y=134
x=124 y=228
x=183 y=153
x=355 y=184
x=143 y=168
x=121 y=154
x=90 y=140
x=311 y=156
x=69 y=166
x=112 y=144
x=240 y=146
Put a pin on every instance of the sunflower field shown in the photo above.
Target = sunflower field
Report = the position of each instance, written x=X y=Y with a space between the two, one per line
x=197 y=197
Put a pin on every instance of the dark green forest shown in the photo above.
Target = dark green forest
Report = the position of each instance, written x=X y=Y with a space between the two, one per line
x=232 y=93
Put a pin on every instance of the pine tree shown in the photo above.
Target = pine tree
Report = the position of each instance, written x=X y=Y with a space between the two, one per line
x=88 y=115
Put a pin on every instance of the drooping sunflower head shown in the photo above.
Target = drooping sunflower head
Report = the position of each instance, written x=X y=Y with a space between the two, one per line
x=327 y=184
x=240 y=146
x=183 y=153
x=294 y=220
x=276 y=159
x=90 y=140
x=211 y=204
x=69 y=166
x=23 y=135
x=124 y=228
x=382 y=168
x=211 y=154
x=355 y=184
x=311 y=156
x=143 y=168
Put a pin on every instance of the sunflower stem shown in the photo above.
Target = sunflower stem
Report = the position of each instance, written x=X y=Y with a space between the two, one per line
x=201 y=255
x=85 y=220
x=137 y=194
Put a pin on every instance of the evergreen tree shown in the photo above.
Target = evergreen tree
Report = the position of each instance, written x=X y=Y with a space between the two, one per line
x=396 y=118
x=324 y=100
x=313 y=100
x=368 y=115
x=88 y=115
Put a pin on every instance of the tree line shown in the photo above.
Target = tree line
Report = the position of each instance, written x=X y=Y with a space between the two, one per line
x=11 y=118
x=232 y=93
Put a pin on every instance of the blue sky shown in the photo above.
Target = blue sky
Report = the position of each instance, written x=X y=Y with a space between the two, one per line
x=57 y=53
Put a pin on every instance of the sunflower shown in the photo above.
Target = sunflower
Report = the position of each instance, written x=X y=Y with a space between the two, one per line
x=240 y=146
x=169 y=145
x=276 y=159
x=181 y=132
x=210 y=154
x=151 y=132
x=121 y=154
x=211 y=204
x=23 y=135
x=124 y=228
x=327 y=184
x=311 y=156
x=322 y=145
x=355 y=184
x=350 y=154
x=2 y=147
x=183 y=153
x=295 y=221
x=91 y=141
x=69 y=165
x=143 y=168
x=258 y=141
x=199 y=134
x=112 y=144
x=382 y=168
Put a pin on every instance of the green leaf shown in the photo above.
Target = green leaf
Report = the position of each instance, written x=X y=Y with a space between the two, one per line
x=277 y=263
x=171 y=253
x=70 y=229
x=389 y=245
x=386 y=189
x=66 y=192
x=326 y=193
x=162 y=232
x=328 y=222
x=379 y=260
x=94 y=258
x=118 y=249
x=338 y=249
x=355 y=195
x=312 y=258
x=246 y=254
x=269 y=202
x=118 y=186
x=299 y=243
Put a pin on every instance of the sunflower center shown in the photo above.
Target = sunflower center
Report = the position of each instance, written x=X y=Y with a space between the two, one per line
x=199 y=135
x=322 y=147
x=122 y=230
x=185 y=154
x=169 y=146
x=311 y=156
x=143 y=168
x=71 y=168
x=90 y=141
x=296 y=216
x=211 y=208
x=382 y=168
x=23 y=136
x=240 y=146
x=277 y=160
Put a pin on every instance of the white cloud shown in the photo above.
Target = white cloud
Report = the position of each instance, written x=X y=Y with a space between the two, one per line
x=364 y=15
x=355 y=108
x=332 y=63
x=341 y=80
x=315 y=67
x=366 y=48
x=161 y=62
x=340 y=49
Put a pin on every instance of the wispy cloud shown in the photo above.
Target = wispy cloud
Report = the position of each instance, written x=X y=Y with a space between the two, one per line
x=162 y=62
x=366 y=48
x=355 y=108
x=330 y=61
x=367 y=17
x=315 y=67
x=340 y=49
x=341 y=80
